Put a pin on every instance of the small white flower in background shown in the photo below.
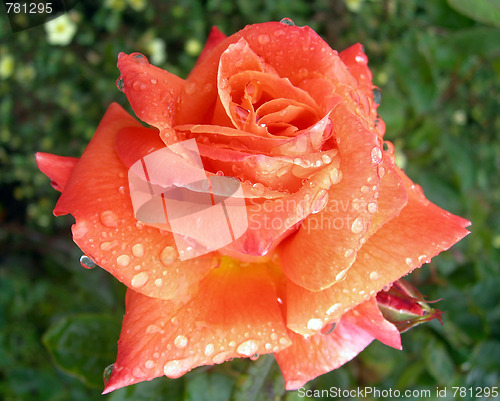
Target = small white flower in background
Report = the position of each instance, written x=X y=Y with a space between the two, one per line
x=137 y=5
x=156 y=50
x=60 y=31
x=193 y=47
x=459 y=117
x=6 y=66
x=353 y=5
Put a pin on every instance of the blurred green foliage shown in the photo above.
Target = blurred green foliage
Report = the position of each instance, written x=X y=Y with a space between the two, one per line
x=438 y=65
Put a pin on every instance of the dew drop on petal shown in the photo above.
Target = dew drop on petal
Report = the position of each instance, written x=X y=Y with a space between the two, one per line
x=168 y=255
x=377 y=95
x=376 y=155
x=333 y=308
x=209 y=349
x=109 y=219
x=150 y=364
x=287 y=21
x=319 y=201
x=326 y=158
x=107 y=373
x=335 y=176
x=381 y=171
x=248 y=348
x=357 y=225
x=315 y=324
x=284 y=341
x=341 y=275
x=257 y=189
x=139 y=279
x=158 y=282
x=263 y=39
x=409 y=261
x=374 y=275
x=349 y=253
x=222 y=357
x=119 y=83
x=372 y=207
x=138 y=250
x=180 y=341
x=365 y=189
x=87 y=262
x=123 y=260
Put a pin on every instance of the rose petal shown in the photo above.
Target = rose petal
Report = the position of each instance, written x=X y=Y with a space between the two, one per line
x=418 y=233
x=234 y=314
x=270 y=41
x=133 y=143
x=57 y=168
x=356 y=60
x=327 y=243
x=152 y=92
x=97 y=196
x=308 y=358
x=214 y=38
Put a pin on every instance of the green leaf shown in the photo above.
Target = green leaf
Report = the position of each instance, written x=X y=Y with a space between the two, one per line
x=261 y=382
x=439 y=363
x=83 y=345
x=485 y=11
x=159 y=389
x=209 y=386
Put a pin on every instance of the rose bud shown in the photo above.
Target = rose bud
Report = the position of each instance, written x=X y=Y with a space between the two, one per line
x=405 y=307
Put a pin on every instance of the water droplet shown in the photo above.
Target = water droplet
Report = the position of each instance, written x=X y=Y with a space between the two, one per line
x=107 y=373
x=268 y=346
x=209 y=349
x=381 y=171
x=326 y=158
x=139 y=86
x=87 y=262
x=361 y=58
x=341 y=275
x=180 y=341
x=409 y=261
x=257 y=189
x=138 y=250
x=168 y=255
x=377 y=95
x=365 y=189
x=319 y=201
x=190 y=88
x=328 y=328
x=153 y=328
x=139 y=279
x=335 y=176
x=284 y=341
x=154 y=81
x=109 y=219
x=176 y=368
x=282 y=171
x=248 y=348
x=333 y=308
x=222 y=357
x=315 y=324
x=158 y=282
x=372 y=207
x=263 y=39
x=358 y=225
x=139 y=225
x=374 y=275
x=287 y=21
x=150 y=364
x=123 y=260
x=349 y=253
x=274 y=336
x=119 y=83
x=423 y=259
x=376 y=155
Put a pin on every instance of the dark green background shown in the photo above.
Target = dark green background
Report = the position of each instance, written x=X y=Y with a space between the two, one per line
x=437 y=63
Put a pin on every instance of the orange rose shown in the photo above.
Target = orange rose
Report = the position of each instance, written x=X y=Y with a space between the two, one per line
x=331 y=219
